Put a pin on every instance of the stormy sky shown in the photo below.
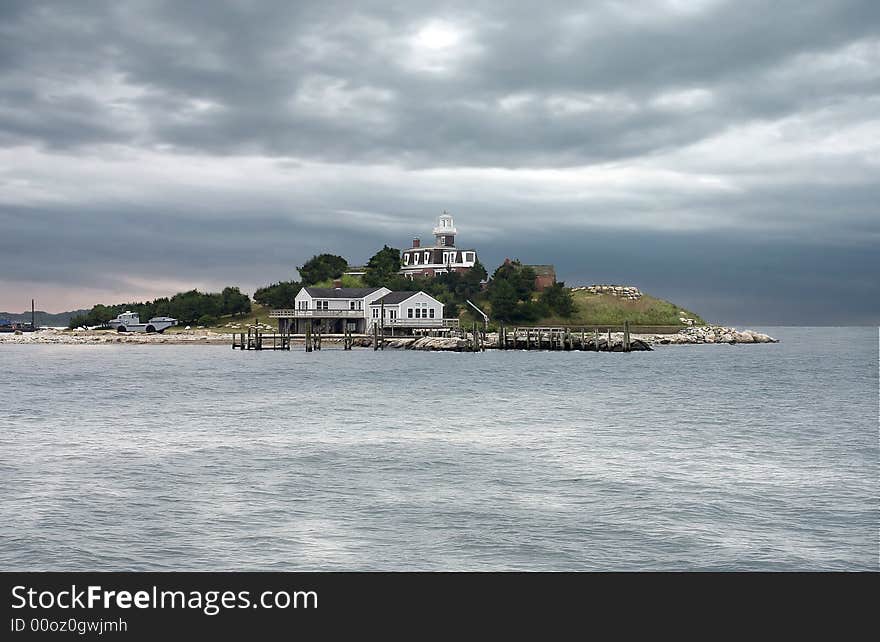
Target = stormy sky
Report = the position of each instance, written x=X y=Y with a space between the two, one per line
x=724 y=155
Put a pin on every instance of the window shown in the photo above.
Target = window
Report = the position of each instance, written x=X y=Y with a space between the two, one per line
x=409 y=313
x=303 y=305
x=406 y=259
x=416 y=258
x=431 y=313
x=322 y=305
x=442 y=240
x=427 y=257
x=469 y=256
x=375 y=313
x=351 y=305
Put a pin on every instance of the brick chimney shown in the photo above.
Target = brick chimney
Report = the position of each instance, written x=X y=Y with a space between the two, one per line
x=417 y=242
x=337 y=283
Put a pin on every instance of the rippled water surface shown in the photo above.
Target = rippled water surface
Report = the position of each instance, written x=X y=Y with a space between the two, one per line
x=197 y=457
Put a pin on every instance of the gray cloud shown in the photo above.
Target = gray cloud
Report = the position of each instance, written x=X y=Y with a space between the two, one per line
x=225 y=142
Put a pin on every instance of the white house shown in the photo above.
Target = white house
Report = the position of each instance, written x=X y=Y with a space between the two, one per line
x=406 y=310
x=332 y=309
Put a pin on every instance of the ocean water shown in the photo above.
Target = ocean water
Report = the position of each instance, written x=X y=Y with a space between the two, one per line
x=761 y=457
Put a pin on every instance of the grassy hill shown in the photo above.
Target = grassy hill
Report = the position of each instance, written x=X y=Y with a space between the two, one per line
x=606 y=309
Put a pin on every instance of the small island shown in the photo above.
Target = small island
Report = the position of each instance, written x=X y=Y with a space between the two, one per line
x=437 y=297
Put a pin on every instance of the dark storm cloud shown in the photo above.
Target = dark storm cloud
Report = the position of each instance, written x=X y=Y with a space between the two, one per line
x=211 y=143
x=345 y=81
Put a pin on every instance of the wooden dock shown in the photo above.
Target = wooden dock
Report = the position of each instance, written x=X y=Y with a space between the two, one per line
x=475 y=339
x=567 y=338
x=255 y=339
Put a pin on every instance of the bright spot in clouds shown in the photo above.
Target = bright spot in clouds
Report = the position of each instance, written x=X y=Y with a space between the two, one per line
x=438 y=35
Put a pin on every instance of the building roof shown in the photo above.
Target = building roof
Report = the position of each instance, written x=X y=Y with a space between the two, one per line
x=393 y=298
x=340 y=293
x=543 y=270
x=448 y=248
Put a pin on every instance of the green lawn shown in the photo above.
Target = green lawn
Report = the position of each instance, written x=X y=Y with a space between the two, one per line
x=606 y=309
x=257 y=312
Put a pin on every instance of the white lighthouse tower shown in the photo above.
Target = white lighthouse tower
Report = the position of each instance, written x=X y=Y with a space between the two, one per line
x=444 y=232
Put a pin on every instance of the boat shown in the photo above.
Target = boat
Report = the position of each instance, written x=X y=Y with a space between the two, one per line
x=131 y=322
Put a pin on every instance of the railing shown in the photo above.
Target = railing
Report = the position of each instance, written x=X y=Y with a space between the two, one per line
x=421 y=323
x=318 y=314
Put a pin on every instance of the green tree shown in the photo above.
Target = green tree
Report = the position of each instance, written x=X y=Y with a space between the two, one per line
x=558 y=299
x=186 y=307
x=520 y=277
x=322 y=267
x=502 y=297
x=525 y=283
x=77 y=321
x=382 y=267
x=278 y=295
x=234 y=302
x=473 y=278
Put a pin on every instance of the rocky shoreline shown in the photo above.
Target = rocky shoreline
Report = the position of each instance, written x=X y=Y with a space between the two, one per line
x=695 y=335
x=638 y=342
x=108 y=337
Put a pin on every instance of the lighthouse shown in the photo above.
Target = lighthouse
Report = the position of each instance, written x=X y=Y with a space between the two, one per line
x=444 y=231
x=426 y=262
